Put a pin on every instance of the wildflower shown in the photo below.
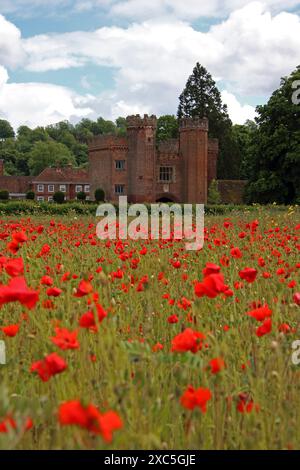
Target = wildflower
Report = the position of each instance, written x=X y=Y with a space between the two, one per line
x=248 y=274
x=89 y=418
x=65 y=339
x=189 y=340
x=17 y=291
x=265 y=328
x=216 y=365
x=193 y=398
x=52 y=364
x=10 y=330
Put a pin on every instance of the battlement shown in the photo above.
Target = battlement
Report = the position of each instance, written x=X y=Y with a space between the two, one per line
x=103 y=142
x=138 y=122
x=193 y=123
x=170 y=146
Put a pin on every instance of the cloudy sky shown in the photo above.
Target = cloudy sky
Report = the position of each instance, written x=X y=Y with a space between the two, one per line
x=68 y=59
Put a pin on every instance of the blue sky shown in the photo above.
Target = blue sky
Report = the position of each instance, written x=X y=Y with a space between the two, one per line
x=68 y=59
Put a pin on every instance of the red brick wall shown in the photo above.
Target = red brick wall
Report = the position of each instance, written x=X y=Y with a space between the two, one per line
x=194 y=150
x=232 y=191
x=103 y=151
x=213 y=152
x=193 y=158
x=141 y=134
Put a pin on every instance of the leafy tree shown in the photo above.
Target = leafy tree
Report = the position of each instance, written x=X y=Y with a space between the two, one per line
x=47 y=154
x=214 y=196
x=59 y=197
x=121 y=126
x=167 y=128
x=274 y=168
x=9 y=154
x=201 y=98
x=99 y=195
x=243 y=137
x=6 y=130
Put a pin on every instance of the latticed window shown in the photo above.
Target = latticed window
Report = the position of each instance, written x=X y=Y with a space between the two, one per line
x=166 y=174
x=119 y=188
x=120 y=164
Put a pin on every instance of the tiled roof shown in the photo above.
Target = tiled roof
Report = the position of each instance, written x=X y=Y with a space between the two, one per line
x=62 y=175
x=15 y=184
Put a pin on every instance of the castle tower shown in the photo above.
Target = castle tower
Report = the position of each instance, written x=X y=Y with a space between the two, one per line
x=194 y=150
x=141 y=136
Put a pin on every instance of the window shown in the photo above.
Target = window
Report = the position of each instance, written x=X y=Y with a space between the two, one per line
x=50 y=198
x=87 y=188
x=88 y=198
x=50 y=188
x=78 y=188
x=40 y=198
x=63 y=188
x=40 y=188
x=120 y=164
x=166 y=174
x=119 y=188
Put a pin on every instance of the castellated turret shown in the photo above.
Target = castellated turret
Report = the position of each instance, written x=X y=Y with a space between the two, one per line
x=193 y=147
x=141 y=134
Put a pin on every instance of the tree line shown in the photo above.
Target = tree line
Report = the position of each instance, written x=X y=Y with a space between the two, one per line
x=266 y=152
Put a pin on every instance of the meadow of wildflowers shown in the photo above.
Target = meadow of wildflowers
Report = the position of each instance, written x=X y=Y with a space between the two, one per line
x=142 y=344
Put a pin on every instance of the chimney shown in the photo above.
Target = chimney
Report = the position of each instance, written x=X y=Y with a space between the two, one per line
x=1 y=167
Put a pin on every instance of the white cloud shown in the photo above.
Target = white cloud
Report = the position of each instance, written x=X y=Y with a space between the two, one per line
x=11 y=51
x=38 y=104
x=188 y=9
x=249 y=52
x=238 y=113
x=151 y=61
x=138 y=9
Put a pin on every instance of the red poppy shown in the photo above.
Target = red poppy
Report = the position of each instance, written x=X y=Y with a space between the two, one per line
x=261 y=313
x=157 y=347
x=10 y=330
x=189 y=340
x=173 y=319
x=248 y=274
x=211 y=268
x=265 y=328
x=47 y=281
x=17 y=291
x=84 y=288
x=52 y=364
x=193 y=398
x=216 y=365
x=53 y=292
x=245 y=404
x=65 y=339
x=14 y=267
x=89 y=417
x=211 y=286
x=236 y=253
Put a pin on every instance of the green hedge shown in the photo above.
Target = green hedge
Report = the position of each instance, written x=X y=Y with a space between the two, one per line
x=89 y=208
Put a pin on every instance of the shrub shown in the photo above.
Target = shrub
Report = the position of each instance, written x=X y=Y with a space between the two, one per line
x=81 y=196
x=30 y=195
x=99 y=195
x=4 y=195
x=59 y=197
x=214 y=196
